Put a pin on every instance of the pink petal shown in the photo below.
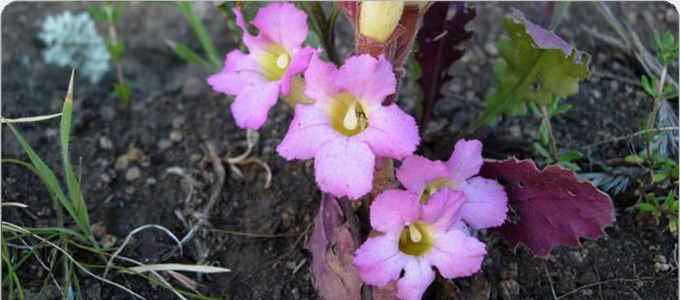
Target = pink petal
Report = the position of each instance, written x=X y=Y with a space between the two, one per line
x=394 y=209
x=417 y=171
x=379 y=261
x=391 y=132
x=307 y=133
x=456 y=254
x=252 y=104
x=443 y=209
x=298 y=64
x=256 y=44
x=320 y=80
x=418 y=276
x=239 y=70
x=370 y=80
x=344 y=167
x=466 y=160
x=283 y=24
x=486 y=205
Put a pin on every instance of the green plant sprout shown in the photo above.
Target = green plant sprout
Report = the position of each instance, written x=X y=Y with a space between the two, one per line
x=109 y=13
x=547 y=138
x=213 y=63
x=65 y=244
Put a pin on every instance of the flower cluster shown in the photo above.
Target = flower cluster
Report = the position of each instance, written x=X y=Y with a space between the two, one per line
x=431 y=224
x=343 y=124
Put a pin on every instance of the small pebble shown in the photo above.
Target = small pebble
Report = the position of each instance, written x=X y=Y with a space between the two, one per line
x=490 y=49
x=132 y=174
x=134 y=153
x=151 y=181
x=176 y=135
x=105 y=178
x=105 y=143
x=164 y=144
x=109 y=240
x=122 y=163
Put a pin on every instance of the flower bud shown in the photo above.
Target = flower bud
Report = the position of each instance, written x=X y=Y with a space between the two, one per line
x=378 y=19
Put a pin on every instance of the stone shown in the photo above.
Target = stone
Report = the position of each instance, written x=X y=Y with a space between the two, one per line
x=490 y=49
x=122 y=163
x=105 y=143
x=193 y=87
x=105 y=178
x=132 y=174
x=164 y=144
x=134 y=154
x=176 y=135
x=508 y=289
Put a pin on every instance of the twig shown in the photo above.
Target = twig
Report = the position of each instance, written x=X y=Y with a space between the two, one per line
x=30 y=119
x=612 y=280
x=552 y=287
x=254 y=235
x=641 y=132
x=657 y=102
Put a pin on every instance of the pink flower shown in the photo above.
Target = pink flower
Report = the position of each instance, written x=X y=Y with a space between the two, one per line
x=347 y=126
x=486 y=204
x=275 y=56
x=415 y=238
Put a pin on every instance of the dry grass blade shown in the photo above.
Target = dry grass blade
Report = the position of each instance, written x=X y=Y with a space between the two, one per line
x=252 y=138
x=13 y=204
x=133 y=232
x=13 y=227
x=30 y=119
x=185 y=281
x=178 y=267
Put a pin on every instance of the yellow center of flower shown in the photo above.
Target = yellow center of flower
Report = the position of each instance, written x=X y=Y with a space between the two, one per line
x=274 y=61
x=416 y=239
x=282 y=61
x=348 y=115
x=435 y=185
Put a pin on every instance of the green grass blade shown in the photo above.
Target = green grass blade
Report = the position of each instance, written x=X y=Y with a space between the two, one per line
x=71 y=181
x=46 y=173
x=202 y=34
x=11 y=273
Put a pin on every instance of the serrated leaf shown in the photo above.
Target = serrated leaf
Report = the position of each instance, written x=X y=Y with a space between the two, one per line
x=438 y=47
x=571 y=156
x=535 y=66
x=550 y=207
x=332 y=250
x=645 y=207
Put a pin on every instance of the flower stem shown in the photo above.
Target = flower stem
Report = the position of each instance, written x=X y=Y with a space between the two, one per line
x=553 y=143
x=655 y=109
x=324 y=26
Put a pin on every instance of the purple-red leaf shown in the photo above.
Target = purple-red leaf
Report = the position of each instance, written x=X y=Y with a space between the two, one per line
x=550 y=207
x=438 y=42
x=332 y=250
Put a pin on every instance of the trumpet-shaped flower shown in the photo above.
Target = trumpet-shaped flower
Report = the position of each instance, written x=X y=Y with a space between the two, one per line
x=415 y=237
x=486 y=204
x=275 y=57
x=347 y=126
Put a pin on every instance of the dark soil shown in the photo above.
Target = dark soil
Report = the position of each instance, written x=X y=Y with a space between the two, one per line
x=266 y=254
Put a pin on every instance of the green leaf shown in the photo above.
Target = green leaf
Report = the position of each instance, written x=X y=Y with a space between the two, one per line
x=116 y=50
x=543 y=132
x=528 y=73
x=571 y=156
x=634 y=159
x=118 y=11
x=647 y=86
x=646 y=207
x=97 y=12
x=206 y=41
x=188 y=55
x=71 y=182
x=562 y=109
x=122 y=92
x=659 y=177
x=535 y=110
x=569 y=165
x=541 y=150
